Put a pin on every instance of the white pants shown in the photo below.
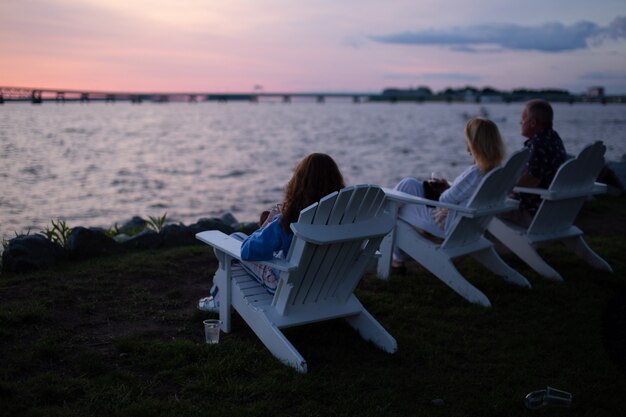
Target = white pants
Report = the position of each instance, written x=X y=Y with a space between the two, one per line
x=262 y=273
x=418 y=215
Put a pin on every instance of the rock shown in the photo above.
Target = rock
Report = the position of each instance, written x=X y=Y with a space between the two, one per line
x=230 y=220
x=29 y=252
x=147 y=239
x=85 y=243
x=177 y=235
x=133 y=226
x=26 y=253
x=248 y=228
x=211 y=224
x=121 y=237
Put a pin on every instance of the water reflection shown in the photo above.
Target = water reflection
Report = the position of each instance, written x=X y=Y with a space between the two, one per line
x=98 y=164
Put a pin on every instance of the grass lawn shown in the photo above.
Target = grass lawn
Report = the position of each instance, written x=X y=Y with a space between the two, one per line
x=121 y=336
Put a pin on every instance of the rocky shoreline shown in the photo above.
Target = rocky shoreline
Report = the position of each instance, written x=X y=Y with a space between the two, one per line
x=26 y=253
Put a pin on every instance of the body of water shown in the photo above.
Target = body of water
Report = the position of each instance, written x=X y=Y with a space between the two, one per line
x=98 y=164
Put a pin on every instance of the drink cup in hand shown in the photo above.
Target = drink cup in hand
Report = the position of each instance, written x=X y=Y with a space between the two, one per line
x=434 y=187
x=437 y=182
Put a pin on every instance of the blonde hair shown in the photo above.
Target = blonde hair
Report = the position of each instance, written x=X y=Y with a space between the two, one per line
x=485 y=143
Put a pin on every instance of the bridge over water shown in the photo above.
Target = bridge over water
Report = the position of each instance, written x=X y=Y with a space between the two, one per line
x=39 y=95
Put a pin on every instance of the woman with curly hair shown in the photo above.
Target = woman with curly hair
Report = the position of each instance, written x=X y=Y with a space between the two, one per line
x=316 y=176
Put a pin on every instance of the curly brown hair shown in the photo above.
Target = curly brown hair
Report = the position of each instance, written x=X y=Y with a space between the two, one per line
x=316 y=176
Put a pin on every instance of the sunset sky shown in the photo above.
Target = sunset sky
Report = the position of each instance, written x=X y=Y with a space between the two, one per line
x=315 y=45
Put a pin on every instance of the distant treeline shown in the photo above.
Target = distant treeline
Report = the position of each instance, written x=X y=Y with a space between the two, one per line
x=471 y=94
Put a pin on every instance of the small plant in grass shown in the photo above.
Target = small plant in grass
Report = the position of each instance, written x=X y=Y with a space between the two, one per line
x=113 y=231
x=5 y=241
x=156 y=223
x=58 y=233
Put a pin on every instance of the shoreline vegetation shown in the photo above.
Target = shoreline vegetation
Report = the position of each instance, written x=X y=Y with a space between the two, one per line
x=467 y=94
x=122 y=335
x=58 y=242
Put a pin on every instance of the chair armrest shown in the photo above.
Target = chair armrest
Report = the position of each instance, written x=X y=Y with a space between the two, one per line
x=597 y=188
x=232 y=247
x=279 y=264
x=326 y=234
x=542 y=192
x=402 y=197
x=509 y=204
x=222 y=242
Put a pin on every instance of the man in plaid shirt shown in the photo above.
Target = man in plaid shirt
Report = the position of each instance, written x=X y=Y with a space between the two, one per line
x=547 y=153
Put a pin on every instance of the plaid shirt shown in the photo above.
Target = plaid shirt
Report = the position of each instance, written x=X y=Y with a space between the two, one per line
x=547 y=153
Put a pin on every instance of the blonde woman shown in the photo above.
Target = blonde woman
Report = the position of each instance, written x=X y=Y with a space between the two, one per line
x=485 y=145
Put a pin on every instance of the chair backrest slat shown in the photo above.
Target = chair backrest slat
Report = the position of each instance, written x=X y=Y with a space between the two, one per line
x=297 y=251
x=326 y=272
x=575 y=175
x=331 y=253
x=315 y=255
x=491 y=193
x=348 y=275
x=364 y=204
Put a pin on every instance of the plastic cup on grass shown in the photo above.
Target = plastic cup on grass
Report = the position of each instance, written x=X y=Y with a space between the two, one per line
x=212 y=331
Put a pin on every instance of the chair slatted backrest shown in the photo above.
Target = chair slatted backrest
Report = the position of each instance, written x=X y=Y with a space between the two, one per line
x=491 y=193
x=574 y=180
x=329 y=273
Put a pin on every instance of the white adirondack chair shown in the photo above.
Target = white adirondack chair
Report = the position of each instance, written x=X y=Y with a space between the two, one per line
x=334 y=242
x=573 y=183
x=466 y=235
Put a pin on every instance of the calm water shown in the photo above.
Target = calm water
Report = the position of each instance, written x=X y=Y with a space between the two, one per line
x=98 y=164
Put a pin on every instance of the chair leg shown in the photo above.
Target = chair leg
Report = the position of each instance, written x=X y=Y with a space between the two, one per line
x=452 y=278
x=386 y=245
x=579 y=247
x=371 y=330
x=529 y=255
x=490 y=259
x=443 y=268
x=386 y=253
x=431 y=257
x=281 y=348
x=223 y=284
x=518 y=244
x=273 y=339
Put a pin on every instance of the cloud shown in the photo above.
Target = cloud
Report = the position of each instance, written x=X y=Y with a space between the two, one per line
x=473 y=49
x=549 y=37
